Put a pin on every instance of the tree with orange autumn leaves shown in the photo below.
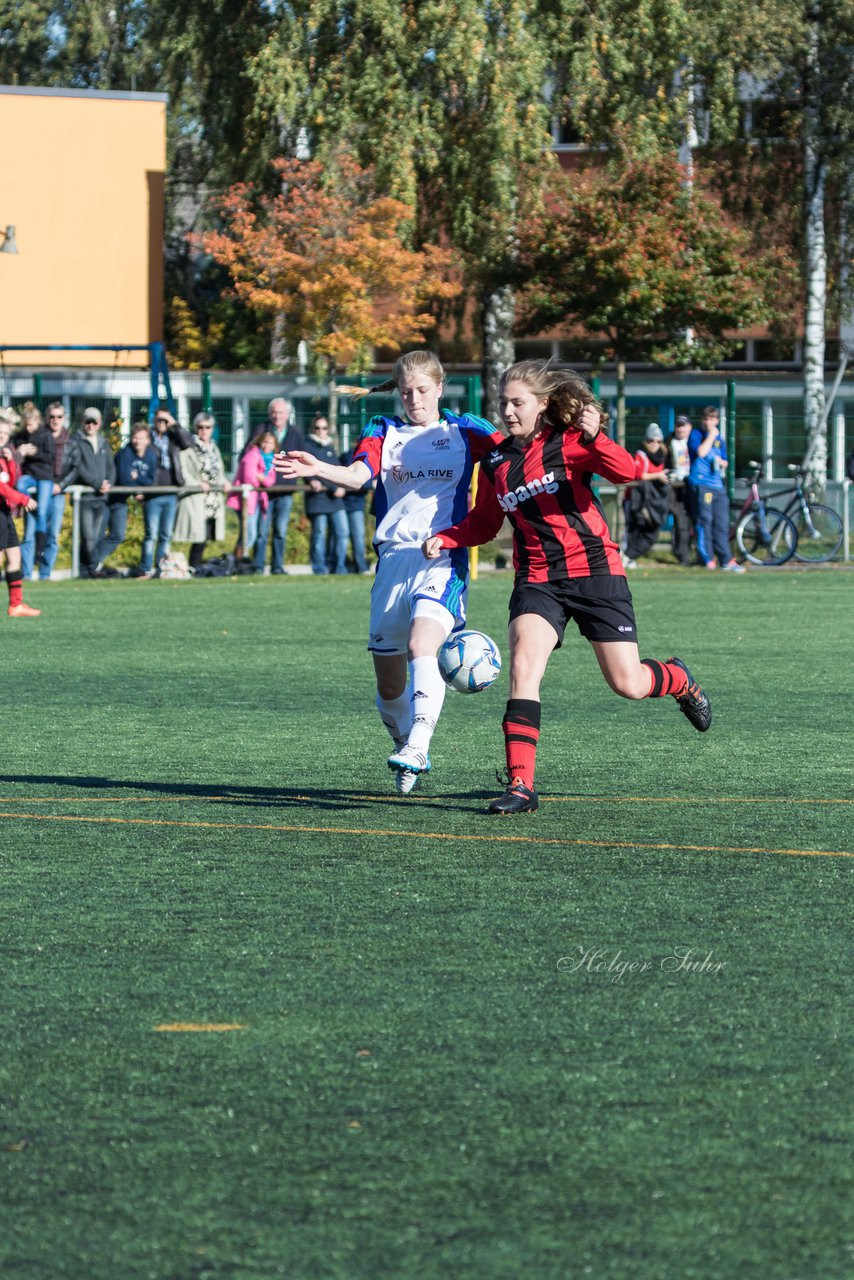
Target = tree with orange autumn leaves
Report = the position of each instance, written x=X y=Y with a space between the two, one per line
x=333 y=260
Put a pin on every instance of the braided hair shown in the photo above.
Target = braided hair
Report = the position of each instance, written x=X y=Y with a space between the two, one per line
x=423 y=361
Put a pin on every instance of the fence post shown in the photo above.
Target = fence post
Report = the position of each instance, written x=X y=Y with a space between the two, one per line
x=207 y=401
x=75 y=531
x=245 y=490
x=730 y=440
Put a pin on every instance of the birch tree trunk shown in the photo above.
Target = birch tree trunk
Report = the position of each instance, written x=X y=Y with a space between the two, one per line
x=621 y=402
x=278 y=350
x=499 y=315
x=332 y=388
x=815 y=180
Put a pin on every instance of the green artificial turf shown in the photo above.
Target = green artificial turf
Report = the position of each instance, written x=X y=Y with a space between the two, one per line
x=443 y=1069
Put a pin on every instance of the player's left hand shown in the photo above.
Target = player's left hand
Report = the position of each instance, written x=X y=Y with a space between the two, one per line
x=589 y=422
x=432 y=548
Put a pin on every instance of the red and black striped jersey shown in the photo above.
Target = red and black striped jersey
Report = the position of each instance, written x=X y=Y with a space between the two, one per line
x=559 y=527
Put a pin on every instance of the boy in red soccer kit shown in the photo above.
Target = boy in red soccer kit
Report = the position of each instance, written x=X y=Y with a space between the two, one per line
x=567 y=564
x=9 y=542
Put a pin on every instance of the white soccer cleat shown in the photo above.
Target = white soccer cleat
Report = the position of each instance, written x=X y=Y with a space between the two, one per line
x=404 y=781
x=407 y=764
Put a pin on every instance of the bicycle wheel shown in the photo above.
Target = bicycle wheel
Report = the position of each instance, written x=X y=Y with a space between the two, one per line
x=773 y=543
x=820 y=537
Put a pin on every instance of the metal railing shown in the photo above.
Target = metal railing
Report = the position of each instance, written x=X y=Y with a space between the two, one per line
x=606 y=491
x=77 y=492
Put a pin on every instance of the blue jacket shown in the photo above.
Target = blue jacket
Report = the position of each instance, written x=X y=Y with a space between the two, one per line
x=706 y=471
x=133 y=470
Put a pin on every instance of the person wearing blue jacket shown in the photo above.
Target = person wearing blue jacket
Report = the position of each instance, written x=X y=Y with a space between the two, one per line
x=707 y=451
x=136 y=464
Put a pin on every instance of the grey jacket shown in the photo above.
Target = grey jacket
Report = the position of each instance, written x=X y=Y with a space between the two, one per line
x=82 y=465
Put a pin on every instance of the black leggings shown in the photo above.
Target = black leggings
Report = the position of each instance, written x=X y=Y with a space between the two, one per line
x=197 y=548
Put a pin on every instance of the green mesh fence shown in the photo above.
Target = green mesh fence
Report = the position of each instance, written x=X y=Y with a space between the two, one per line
x=748 y=434
x=789 y=438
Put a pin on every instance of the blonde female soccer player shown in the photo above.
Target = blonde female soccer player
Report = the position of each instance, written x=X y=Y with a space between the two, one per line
x=567 y=564
x=423 y=466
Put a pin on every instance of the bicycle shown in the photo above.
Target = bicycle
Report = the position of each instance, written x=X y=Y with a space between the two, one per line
x=819 y=528
x=763 y=535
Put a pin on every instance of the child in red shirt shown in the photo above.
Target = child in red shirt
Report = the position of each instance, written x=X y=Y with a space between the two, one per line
x=9 y=542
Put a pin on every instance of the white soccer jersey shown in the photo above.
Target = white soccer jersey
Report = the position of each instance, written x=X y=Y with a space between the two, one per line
x=423 y=473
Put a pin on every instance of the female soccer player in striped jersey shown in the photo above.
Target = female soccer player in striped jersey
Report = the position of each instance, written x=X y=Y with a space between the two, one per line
x=423 y=465
x=567 y=564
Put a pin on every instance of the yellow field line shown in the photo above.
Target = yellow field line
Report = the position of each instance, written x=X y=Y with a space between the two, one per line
x=492 y=838
x=309 y=799
x=201 y=1026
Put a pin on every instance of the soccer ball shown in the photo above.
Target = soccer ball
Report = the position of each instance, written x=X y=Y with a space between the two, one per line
x=469 y=661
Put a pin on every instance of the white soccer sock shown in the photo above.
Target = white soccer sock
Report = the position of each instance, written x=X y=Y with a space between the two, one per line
x=396 y=715
x=427 y=694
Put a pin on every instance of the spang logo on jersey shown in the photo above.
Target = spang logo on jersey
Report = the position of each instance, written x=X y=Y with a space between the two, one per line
x=546 y=484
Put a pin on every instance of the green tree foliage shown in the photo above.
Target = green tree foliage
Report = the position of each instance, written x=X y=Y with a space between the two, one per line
x=624 y=73
x=445 y=100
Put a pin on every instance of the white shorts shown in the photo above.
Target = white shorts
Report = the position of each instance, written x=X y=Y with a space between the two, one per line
x=407 y=586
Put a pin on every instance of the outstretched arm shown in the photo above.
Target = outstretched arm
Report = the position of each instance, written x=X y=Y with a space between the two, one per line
x=479 y=526
x=298 y=464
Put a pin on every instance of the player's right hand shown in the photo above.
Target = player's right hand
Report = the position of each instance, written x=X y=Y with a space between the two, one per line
x=31 y=506
x=432 y=548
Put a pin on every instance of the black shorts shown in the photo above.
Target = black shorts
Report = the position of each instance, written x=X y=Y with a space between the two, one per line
x=8 y=532
x=601 y=606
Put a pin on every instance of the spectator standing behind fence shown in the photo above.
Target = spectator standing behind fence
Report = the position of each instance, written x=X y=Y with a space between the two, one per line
x=136 y=464
x=255 y=468
x=88 y=461
x=6 y=425
x=280 y=420
x=354 y=506
x=679 y=464
x=58 y=429
x=324 y=505
x=169 y=440
x=11 y=500
x=36 y=451
x=201 y=516
x=707 y=450
x=648 y=499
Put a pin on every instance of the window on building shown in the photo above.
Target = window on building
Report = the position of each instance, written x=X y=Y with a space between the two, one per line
x=774 y=350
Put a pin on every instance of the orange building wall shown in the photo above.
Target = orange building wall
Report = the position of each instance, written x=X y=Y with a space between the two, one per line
x=82 y=181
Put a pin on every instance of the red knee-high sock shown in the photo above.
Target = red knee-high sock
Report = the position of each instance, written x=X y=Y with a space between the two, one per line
x=665 y=678
x=521 y=726
x=14 y=578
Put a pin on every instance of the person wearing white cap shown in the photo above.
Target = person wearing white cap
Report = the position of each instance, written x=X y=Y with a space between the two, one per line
x=89 y=461
x=679 y=465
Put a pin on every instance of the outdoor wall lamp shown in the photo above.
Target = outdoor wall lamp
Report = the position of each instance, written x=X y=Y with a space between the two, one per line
x=9 y=245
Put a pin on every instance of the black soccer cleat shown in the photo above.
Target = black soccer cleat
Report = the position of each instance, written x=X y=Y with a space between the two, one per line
x=516 y=799
x=693 y=703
